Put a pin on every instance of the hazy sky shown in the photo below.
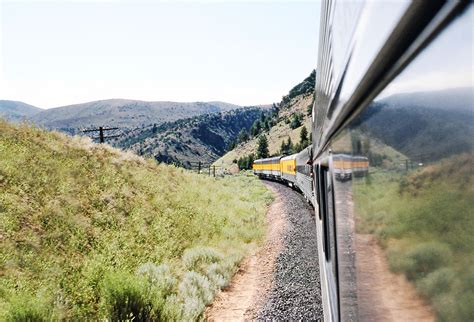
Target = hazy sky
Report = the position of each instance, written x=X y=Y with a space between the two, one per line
x=448 y=62
x=59 y=53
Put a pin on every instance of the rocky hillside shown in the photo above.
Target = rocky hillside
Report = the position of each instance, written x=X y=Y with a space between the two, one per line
x=202 y=138
x=15 y=111
x=291 y=115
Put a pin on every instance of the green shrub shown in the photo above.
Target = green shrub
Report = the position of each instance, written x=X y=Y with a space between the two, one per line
x=455 y=306
x=125 y=297
x=436 y=282
x=159 y=277
x=425 y=258
x=27 y=308
x=172 y=309
x=194 y=258
x=464 y=307
x=160 y=284
x=196 y=291
x=218 y=274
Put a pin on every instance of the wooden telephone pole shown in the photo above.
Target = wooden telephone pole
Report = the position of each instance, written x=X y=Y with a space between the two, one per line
x=101 y=130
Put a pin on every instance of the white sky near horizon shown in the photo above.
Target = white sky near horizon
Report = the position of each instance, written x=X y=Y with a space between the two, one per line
x=66 y=52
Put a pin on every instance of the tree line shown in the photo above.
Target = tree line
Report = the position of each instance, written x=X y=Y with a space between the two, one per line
x=259 y=126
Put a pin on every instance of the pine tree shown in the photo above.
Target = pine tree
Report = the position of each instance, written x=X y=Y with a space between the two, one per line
x=289 y=146
x=255 y=130
x=262 y=149
x=295 y=121
x=283 y=148
x=250 y=160
x=231 y=146
x=243 y=136
x=304 y=136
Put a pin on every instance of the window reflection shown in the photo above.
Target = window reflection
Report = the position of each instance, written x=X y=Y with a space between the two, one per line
x=411 y=203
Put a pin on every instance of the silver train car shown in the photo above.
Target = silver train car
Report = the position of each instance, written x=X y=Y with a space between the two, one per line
x=394 y=88
x=304 y=180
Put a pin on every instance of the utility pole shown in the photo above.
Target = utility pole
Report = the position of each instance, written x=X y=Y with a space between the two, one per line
x=101 y=130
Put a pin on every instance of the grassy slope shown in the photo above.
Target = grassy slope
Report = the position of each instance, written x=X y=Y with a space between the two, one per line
x=77 y=220
x=424 y=220
x=279 y=132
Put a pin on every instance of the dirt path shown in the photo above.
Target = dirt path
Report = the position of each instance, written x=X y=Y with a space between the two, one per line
x=384 y=295
x=248 y=289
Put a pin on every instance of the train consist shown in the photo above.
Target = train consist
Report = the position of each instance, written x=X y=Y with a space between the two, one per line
x=371 y=56
x=296 y=170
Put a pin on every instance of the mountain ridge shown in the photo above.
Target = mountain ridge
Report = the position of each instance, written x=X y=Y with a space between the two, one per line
x=124 y=112
x=16 y=111
x=457 y=98
x=109 y=112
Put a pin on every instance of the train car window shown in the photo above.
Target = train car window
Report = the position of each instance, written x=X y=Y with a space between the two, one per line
x=403 y=197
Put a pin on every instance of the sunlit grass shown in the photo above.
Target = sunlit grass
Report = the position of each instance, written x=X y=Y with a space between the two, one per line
x=78 y=222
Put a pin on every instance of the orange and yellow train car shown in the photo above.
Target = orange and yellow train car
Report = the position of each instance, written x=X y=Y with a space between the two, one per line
x=269 y=167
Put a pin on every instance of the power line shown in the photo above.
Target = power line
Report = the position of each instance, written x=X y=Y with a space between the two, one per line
x=101 y=131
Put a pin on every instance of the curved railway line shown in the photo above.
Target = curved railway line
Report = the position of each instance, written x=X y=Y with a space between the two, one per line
x=372 y=54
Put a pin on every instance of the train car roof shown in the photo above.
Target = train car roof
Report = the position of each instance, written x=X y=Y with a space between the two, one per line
x=273 y=159
x=289 y=157
x=304 y=155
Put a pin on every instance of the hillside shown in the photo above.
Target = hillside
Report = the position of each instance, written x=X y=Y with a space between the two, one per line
x=201 y=138
x=458 y=99
x=123 y=113
x=424 y=122
x=15 y=111
x=298 y=102
x=92 y=233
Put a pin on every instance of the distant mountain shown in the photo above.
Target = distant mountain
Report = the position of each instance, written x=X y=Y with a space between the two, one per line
x=123 y=113
x=460 y=99
x=202 y=138
x=424 y=126
x=15 y=111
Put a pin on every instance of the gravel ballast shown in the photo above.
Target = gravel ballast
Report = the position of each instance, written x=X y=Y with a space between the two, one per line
x=295 y=293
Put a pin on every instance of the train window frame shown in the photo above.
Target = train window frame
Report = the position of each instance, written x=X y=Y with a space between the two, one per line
x=323 y=209
x=317 y=184
x=326 y=199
